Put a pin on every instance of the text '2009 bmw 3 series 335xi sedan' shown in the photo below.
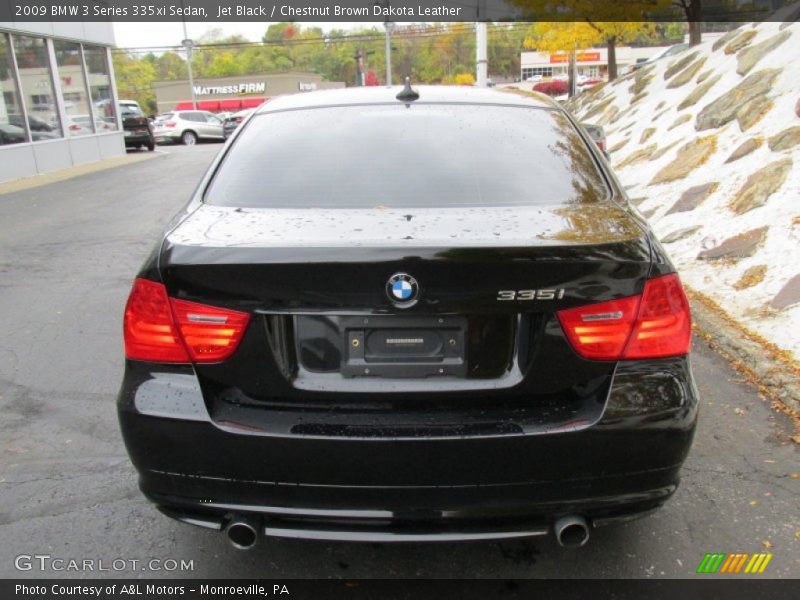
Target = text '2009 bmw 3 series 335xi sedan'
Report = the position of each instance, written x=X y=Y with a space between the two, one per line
x=430 y=315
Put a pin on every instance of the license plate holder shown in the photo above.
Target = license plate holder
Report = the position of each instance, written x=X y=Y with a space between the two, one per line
x=404 y=346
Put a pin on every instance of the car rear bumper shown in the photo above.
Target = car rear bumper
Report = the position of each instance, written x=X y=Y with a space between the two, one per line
x=163 y=136
x=203 y=472
x=137 y=139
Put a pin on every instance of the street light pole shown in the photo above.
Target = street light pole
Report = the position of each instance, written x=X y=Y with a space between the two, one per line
x=189 y=44
x=481 y=57
x=388 y=25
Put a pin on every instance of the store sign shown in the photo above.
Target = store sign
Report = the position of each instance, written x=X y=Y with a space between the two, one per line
x=579 y=57
x=306 y=86
x=240 y=88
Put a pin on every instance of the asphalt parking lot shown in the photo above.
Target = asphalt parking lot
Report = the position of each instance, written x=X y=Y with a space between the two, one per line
x=68 y=253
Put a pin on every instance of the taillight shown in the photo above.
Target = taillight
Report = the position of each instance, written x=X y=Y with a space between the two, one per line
x=664 y=325
x=600 y=331
x=170 y=124
x=211 y=334
x=239 y=119
x=162 y=329
x=150 y=333
x=656 y=324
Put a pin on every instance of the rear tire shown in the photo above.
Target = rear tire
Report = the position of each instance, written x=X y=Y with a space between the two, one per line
x=188 y=138
x=151 y=145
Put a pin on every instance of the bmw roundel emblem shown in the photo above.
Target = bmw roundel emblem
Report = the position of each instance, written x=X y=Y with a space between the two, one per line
x=402 y=289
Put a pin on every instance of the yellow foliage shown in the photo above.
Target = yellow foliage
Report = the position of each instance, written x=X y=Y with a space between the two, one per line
x=459 y=79
x=561 y=37
x=579 y=35
x=465 y=79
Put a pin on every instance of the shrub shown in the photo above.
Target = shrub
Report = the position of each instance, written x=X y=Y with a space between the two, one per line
x=552 y=88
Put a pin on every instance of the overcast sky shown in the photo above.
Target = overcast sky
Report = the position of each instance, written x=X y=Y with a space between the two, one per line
x=137 y=35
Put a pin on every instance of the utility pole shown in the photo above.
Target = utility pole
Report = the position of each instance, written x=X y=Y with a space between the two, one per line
x=189 y=45
x=359 y=65
x=388 y=28
x=481 y=42
x=572 y=72
x=361 y=71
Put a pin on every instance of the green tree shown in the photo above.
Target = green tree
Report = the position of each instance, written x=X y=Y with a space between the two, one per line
x=134 y=78
x=171 y=66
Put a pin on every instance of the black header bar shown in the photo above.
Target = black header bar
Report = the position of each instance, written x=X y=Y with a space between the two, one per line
x=220 y=11
x=383 y=589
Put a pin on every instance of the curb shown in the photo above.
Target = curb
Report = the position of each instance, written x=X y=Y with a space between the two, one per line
x=27 y=183
x=772 y=370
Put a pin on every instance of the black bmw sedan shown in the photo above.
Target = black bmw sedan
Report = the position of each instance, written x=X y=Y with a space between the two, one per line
x=397 y=315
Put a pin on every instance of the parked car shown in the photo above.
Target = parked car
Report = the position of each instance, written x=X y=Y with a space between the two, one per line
x=424 y=315
x=138 y=130
x=665 y=53
x=85 y=121
x=131 y=105
x=77 y=128
x=234 y=120
x=588 y=82
x=598 y=134
x=11 y=134
x=188 y=126
x=34 y=122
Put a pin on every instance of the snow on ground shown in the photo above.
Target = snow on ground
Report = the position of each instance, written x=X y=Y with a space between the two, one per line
x=778 y=257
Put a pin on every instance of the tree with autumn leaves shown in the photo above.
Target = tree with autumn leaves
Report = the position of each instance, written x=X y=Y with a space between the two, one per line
x=571 y=36
x=585 y=23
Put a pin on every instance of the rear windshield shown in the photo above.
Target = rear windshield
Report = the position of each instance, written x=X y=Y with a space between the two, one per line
x=130 y=110
x=397 y=156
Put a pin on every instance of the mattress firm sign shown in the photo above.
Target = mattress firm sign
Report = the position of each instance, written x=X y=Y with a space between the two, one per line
x=239 y=88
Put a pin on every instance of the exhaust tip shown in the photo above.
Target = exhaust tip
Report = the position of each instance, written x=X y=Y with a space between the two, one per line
x=571 y=531
x=242 y=533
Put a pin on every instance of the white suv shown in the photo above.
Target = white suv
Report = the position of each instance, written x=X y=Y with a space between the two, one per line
x=188 y=126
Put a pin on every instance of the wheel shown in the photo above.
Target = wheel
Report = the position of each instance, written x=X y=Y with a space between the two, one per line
x=151 y=144
x=189 y=138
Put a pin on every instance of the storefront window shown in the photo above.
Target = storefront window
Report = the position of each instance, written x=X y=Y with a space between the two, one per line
x=536 y=71
x=37 y=86
x=78 y=117
x=100 y=85
x=12 y=130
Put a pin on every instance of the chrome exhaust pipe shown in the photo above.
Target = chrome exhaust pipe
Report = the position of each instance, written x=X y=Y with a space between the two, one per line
x=571 y=531
x=243 y=531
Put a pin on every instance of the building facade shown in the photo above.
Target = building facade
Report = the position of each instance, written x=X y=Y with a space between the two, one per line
x=58 y=102
x=235 y=93
x=592 y=62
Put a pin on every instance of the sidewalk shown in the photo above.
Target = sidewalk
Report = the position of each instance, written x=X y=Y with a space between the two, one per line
x=24 y=183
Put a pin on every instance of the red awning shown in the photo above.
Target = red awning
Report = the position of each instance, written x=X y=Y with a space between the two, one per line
x=232 y=104
x=210 y=105
x=184 y=106
x=252 y=102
